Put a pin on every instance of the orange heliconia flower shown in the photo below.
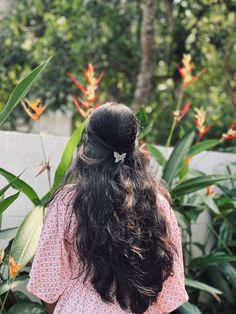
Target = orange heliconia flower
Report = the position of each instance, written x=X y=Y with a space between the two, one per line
x=200 y=120
x=83 y=113
x=233 y=125
x=179 y=114
x=231 y=134
x=86 y=105
x=90 y=76
x=13 y=267
x=186 y=70
x=77 y=83
x=33 y=108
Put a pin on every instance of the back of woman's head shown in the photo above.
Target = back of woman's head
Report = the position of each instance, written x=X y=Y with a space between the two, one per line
x=115 y=124
x=122 y=238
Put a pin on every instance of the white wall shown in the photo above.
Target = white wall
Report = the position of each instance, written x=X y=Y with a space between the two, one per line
x=19 y=151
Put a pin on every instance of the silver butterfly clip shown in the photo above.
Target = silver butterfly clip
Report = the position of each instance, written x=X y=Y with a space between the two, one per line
x=119 y=157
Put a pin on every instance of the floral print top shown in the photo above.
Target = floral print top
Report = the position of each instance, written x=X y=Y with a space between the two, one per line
x=55 y=265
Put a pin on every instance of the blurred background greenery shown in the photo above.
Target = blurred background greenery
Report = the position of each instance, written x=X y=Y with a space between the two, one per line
x=143 y=49
x=107 y=34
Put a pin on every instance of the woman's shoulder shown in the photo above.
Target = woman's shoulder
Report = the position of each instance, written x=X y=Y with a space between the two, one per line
x=163 y=203
x=65 y=193
x=61 y=206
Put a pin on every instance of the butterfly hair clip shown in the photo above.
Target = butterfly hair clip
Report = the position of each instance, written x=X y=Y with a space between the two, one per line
x=119 y=157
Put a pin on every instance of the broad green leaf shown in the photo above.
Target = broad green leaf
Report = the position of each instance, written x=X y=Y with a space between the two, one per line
x=20 y=296
x=8 y=234
x=195 y=184
x=202 y=146
x=27 y=308
x=21 y=185
x=188 y=308
x=177 y=157
x=210 y=203
x=225 y=234
x=217 y=279
x=5 y=188
x=5 y=285
x=201 y=286
x=68 y=155
x=21 y=90
x=156 y=153
x=229 y=272
x=26 y=240
x=181 y=220
x=6 y=202
x=183 y=171
x=212 y=259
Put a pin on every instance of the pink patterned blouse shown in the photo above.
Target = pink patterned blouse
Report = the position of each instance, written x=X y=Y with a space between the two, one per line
x=55 y=265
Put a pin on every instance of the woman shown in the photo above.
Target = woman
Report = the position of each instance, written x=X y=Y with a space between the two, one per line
x=110 y=242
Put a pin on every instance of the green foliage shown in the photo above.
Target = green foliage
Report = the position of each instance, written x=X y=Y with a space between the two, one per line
x=107 y=34
x=177 y=157
x=19 y=184
x=78 y=32
x=27 y=308
x=68 y=155
x=5 y=285
x=26 y=237
x=20 y=91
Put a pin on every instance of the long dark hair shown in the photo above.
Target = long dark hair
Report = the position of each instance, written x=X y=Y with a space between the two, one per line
x=122 y=239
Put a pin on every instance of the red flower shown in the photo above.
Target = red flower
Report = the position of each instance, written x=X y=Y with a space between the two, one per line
x=89 y=74
x=186 y=70
x=85 y=105
x=203 y=133
x=233 y=125
x=80 y=110
x=77 y=83
x=180 y=114
x=231 y=134
x=200 y=120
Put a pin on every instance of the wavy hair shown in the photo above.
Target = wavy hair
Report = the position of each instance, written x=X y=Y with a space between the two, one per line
x=121 y=239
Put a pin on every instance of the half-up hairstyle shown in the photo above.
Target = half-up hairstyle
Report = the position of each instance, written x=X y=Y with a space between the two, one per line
x=122 y=240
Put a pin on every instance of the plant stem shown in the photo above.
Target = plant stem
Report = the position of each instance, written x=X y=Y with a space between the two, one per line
x=218 y=238
x=4 y=301
x=1 y=306
x=45 y=158
x=171 y=133
x=179 y=102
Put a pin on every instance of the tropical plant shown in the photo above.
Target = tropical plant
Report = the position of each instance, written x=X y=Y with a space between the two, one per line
x=21 y=90
x=188 y=188
x=23 y=240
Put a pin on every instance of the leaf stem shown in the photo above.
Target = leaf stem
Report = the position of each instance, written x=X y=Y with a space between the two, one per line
x=179 y=102
x=4 y=301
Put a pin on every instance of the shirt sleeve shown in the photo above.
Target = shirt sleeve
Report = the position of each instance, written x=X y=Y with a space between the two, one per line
x=173 y=293
x=50 y=271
